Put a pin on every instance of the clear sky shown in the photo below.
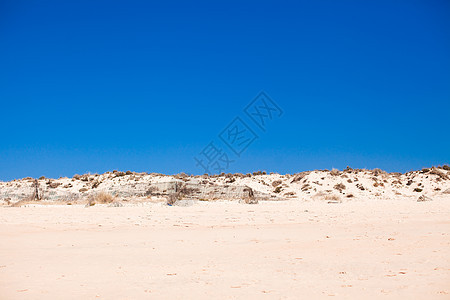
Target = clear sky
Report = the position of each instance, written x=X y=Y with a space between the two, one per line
x=93 y=86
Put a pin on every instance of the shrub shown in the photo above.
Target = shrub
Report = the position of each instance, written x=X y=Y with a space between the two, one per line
x=277 y=189
x=446 y=167
x=339 y=187
x=231 y=180
x=377 y=172
x=439 y=173
x=306 y=187
x=77 y=177
x=335 y=172
x=276 y=183
x=259 y=173
x=172 y=198
x=150 y=191
x=348 y=169
x=249 y=196
x=53 y=185
x=95 y=184
x=332 y=197
x=418 y=190
x=103 y=197
x=299 y=176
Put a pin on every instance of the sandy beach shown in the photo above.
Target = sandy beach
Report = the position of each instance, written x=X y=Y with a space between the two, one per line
x=227 y=250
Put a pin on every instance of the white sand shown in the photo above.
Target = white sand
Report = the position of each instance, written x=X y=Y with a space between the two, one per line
x=353 y=250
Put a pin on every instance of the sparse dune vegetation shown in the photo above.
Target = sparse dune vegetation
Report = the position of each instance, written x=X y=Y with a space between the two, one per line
x=134 y=187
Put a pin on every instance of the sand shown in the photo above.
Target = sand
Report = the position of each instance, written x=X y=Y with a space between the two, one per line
x=226 y=250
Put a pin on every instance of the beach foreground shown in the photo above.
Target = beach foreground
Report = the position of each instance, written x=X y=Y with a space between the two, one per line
x=286 y=249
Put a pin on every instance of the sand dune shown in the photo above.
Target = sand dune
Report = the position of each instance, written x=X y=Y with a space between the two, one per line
x=306 y=247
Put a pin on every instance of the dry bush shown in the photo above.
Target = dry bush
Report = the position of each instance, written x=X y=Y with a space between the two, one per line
x=82 y=190
x=231 y=180
x=260 y=173
x=181 y=175
x=95 y=184
x=277 y=189
x=249 y=196
x=377 y=172
x=151 y=190
x=348 y=170
x=332 y=197
x=299 y=176
x=439 y=173
x=339 y=187
x=335 y=172
x=446 y=167
x=186 y=191
x=172 y=198
x=103 y=197
x=53 y=185
x=306 y=187
x=276 y=183
x=84 y=177
x=424 y=198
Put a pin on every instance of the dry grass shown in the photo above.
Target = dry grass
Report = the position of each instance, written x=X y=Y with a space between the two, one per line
x=103 y=198
x=332 y=197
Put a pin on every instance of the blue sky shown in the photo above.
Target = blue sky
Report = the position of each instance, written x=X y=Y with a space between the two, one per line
x=145 y=86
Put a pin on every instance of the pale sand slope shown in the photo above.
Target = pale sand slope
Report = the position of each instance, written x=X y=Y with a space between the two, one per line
x=370 y=249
